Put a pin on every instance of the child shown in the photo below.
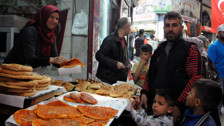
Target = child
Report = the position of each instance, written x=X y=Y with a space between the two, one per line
x=140 y=69
x=162 y=108
x=204 y=96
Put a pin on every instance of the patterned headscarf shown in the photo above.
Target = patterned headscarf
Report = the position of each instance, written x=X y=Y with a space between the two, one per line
x=199 y=44
x=40 y=22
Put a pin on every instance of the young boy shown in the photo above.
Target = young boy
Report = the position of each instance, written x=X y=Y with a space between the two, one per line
x=162 y=108
x=204 y=97
x=140 y=69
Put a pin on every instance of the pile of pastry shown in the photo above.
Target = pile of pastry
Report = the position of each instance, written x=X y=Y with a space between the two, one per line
x=124 y=90
x=19 y=80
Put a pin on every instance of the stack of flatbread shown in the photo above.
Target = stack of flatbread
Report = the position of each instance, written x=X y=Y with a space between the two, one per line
x=124 y=90
x=19 y=80
x=43 y=82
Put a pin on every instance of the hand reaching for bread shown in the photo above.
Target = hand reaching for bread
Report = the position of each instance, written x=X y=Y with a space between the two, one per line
x=57 y=60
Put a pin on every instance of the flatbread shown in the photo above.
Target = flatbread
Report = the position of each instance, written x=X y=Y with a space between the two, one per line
x=24 y=117
x=59 y=122
x=94 y=86
x=43 y=85
x=14 y=90
x=4 y=79
x=21 y=77
x=107 y=87
x=82 y=86
x=58 y=82
x=43 y=79
x=22 y=83
x=68 y=86
x=26 y=94
x=97 y=112
x=68 y=98
x=3 y=84
x=42 y=88
x=2 y=70
x=17 y=67
x=77 y=97
x=87 y=120
x=99 y=123
x=88 y=98
x=102 y=92
x=72 y=63
x=52 y=112
x=57 y=103
x=115 y=94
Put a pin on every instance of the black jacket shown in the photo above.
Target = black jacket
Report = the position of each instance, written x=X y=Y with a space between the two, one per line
x=110 y=52
x=138 y=43
x=176 y=71
x=27 y=49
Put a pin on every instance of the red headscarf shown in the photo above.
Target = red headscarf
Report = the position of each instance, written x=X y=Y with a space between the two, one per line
x=47 y=35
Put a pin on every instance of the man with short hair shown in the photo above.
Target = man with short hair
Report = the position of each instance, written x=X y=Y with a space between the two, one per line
x=113 y=54
x=174 y=65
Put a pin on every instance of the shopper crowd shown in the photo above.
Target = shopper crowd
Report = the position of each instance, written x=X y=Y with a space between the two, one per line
x=178 y=86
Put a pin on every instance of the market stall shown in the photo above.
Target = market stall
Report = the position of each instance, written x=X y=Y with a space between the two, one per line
x=35 y=90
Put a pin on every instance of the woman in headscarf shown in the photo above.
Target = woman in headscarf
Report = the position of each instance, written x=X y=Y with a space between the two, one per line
x=36 y=45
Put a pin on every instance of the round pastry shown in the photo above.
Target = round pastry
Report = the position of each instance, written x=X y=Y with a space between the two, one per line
x=115 y=94
x=27 y=94
x=15 y=72
x=68 y=98
x=102 y=92
x=22 y=77
x=43 y=85
x=22 y=83
x=17 y=67
x=77 y=97
x=43 y=79
x=88 y=98
x=3 y=84
x=42 y=88
x=14 y=90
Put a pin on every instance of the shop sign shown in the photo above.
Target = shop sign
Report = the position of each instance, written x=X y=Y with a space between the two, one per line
x=187 y=8
x=162 y=6
x=144 y=11
x=144 y=17
x=188 y=19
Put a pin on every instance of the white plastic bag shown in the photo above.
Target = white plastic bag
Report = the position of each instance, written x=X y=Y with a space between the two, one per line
x=80 y=24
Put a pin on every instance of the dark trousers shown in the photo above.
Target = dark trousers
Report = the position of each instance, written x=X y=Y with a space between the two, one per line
x=130 y=53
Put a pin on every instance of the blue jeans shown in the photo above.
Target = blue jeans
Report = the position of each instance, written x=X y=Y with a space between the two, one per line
x=130 y=53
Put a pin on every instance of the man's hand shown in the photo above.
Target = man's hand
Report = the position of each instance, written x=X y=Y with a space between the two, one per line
x=176 y=114
x=120 y=65
x=144 y=100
